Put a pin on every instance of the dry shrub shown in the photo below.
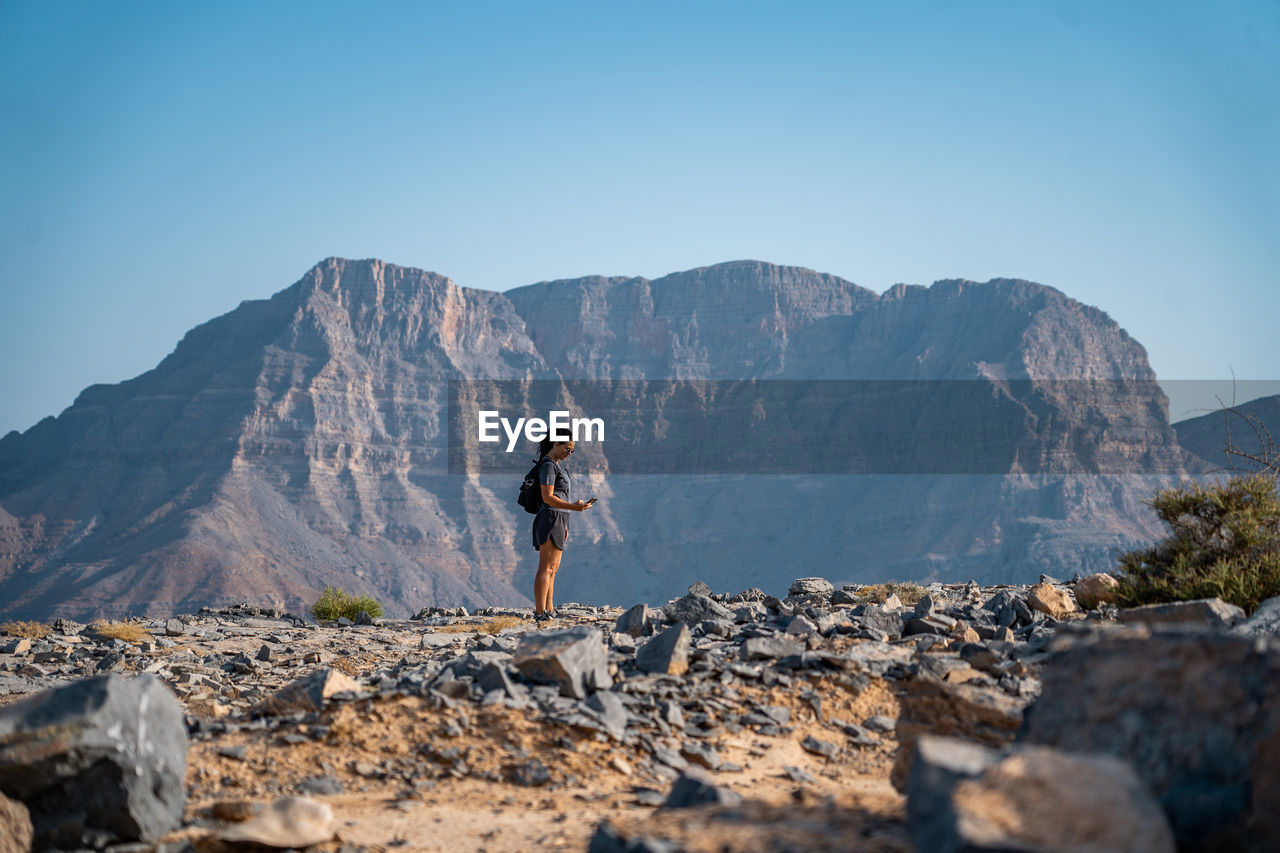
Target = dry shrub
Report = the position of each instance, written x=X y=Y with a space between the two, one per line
x=493 y=626
x=1224 y=541
x=129 y=632
x=908 y=593
x=31 y=630
x=335 y=603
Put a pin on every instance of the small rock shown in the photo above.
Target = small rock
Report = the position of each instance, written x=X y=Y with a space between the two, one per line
x=751 y=594
x=701 y=753
x=769 y=648
x=666 y=653
x=811 y=586
x=884 y=620
x=611 y=711
x=892 y=602
x=700 y=588
x=695 y=788
x=307 y=694
x=633 y=622
x=531 y=774
x=692 y=609
x=321 y=785
x=175 y=628
x=1050 y=600
x=264 y=653
x=929 y=625
x=1096 y=589
x=799 y=774
x=574 y=659
x=820 y=747
x=799 y=626
x=288 y=822
x=880 y=723
x=609 y=840
x=17 y=646
x=722 y=628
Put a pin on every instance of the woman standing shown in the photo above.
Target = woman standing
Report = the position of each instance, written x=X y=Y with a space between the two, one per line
x=551 y=524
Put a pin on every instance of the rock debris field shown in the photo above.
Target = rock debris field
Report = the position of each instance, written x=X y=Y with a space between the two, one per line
x=865 y=718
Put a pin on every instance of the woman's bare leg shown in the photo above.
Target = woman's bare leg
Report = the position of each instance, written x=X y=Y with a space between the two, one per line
x=544 y=582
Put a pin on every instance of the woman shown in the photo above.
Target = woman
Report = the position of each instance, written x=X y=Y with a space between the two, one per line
x=551 y=524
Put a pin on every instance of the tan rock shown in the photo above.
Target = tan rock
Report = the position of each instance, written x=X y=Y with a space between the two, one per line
x=1043 y=799
x=892 y=602
x=1096 y=589
x=288 y=822
x=307 y=693
x=1050 y=600
x=988 y=717
x=962 y=633
x=15 y=826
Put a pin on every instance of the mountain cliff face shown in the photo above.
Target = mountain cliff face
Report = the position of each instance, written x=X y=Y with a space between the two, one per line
x=300 y=441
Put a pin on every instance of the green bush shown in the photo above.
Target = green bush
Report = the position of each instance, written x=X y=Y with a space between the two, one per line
x=1224 y=540
x=335 y=603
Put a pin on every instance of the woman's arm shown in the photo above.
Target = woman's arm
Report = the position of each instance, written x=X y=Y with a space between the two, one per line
x=549 y=498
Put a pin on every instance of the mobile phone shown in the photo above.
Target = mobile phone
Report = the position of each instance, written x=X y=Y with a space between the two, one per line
x=590 y=501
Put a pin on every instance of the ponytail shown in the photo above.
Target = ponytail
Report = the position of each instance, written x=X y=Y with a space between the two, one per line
x=544 y=447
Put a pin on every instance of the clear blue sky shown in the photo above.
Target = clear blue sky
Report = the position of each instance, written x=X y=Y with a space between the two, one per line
x=160 y=162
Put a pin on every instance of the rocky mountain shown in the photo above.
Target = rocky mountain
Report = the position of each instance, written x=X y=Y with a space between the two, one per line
x=302 y=441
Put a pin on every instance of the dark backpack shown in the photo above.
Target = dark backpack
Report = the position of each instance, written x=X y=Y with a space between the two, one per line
x=531 y=490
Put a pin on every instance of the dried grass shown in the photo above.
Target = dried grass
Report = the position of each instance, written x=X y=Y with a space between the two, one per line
x=129 y=632
x=493 y=626
x=30 y=630
x=908 y=593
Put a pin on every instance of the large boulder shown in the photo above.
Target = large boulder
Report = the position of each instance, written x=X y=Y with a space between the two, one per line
x=1051 y=601
x=1097 y=589
x=963 y=796
x=15 y=826
x=1196 y=712
x=99 y=759
x=1201 y=613
x=574 y=659
x=964 y=711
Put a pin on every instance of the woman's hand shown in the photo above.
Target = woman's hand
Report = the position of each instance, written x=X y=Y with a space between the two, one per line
x=580 y=505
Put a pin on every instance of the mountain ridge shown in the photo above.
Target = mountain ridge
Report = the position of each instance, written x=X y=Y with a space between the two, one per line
x=297 y=441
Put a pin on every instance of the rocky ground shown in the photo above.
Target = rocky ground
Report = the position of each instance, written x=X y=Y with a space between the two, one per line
x=714 y=723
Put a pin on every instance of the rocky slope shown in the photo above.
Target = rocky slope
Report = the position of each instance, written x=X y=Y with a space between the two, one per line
x=877 y=718
x=300 y=441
